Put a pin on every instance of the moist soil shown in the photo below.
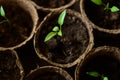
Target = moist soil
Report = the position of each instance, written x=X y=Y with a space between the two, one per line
x=102 y=18
x=104 y=64
x=19 y=27
x=8 y=68
x=51 y=3
x=102 y=38
x=67 y=48
x=76 y=6
x=41 y=15
x=49 y=76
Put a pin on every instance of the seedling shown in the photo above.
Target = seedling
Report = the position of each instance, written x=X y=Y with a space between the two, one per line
x=57 y=30
x=2 y=14
x=96 y=74
x=106 y=6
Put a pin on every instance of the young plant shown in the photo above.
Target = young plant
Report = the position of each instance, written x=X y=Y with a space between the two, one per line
x=57 y=30
x=106 y=6
x=2 y=14
x=96 y=74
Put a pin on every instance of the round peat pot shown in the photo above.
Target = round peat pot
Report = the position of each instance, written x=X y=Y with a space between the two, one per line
x=99 y=17
x=18 y=24
x=66 y=50
x=10 y=66
x=52 y=5
x=104 y=60
x=48 y=73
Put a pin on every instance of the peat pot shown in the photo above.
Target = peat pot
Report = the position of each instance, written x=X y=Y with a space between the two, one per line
x=52 y=5
x=10 y=66
x=19 y=23
x=48 y=73
x=104 y=60
x=101 y=18
x=65 y=51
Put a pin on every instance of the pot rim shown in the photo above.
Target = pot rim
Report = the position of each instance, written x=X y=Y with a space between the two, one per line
x=53 y=9
x=58 y=70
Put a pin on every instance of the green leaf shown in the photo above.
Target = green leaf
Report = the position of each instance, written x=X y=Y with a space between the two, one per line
x=56 y=28
x=105 y=78
x=107 y=6
x=2 y=12
x=97 y=2
x=61 y=18
x=49 y=36
x=60 y=33
x=94 y=74
x=114 y=9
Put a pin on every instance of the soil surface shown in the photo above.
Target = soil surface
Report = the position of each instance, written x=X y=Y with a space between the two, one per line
x=49 y=76
x=76 y=6
x=18 y=28
x=8 y=68
x=102 y=18
x=102 y=38
x=105 y=65
x=70 y=46
x=41 y=15
x=51 y=3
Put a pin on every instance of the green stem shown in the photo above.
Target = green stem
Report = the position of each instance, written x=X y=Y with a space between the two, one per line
x=60 y=31
x=103 y=4
x=102 y=77
x=7 y=20
x=3 y=21
x=64 y=53
x=60 y=27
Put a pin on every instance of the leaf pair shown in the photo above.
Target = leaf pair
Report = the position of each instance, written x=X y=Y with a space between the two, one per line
x=52 y=34
x=57 y=30
x=96 y=74
x=100 y=2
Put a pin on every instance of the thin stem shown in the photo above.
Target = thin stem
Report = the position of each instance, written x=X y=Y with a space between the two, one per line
x=102 y=77
x=7 y=20
x=103 y=4
x=64 y=53
x=3 y=21
x=61 y=28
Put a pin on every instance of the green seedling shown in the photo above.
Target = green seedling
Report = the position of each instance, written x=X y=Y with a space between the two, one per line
x=2 y=14
x=96 y=74
x=106 y=6
x=57 y=30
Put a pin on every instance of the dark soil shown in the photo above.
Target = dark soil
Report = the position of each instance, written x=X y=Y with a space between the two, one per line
x=51 y=3
x=76 y=6
x=49 y=76
x=18 y=29
x=41 y=15
x=102 y=18
x=8 y=68
x=104 y=64
x=102 y=38
x=70 y=46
